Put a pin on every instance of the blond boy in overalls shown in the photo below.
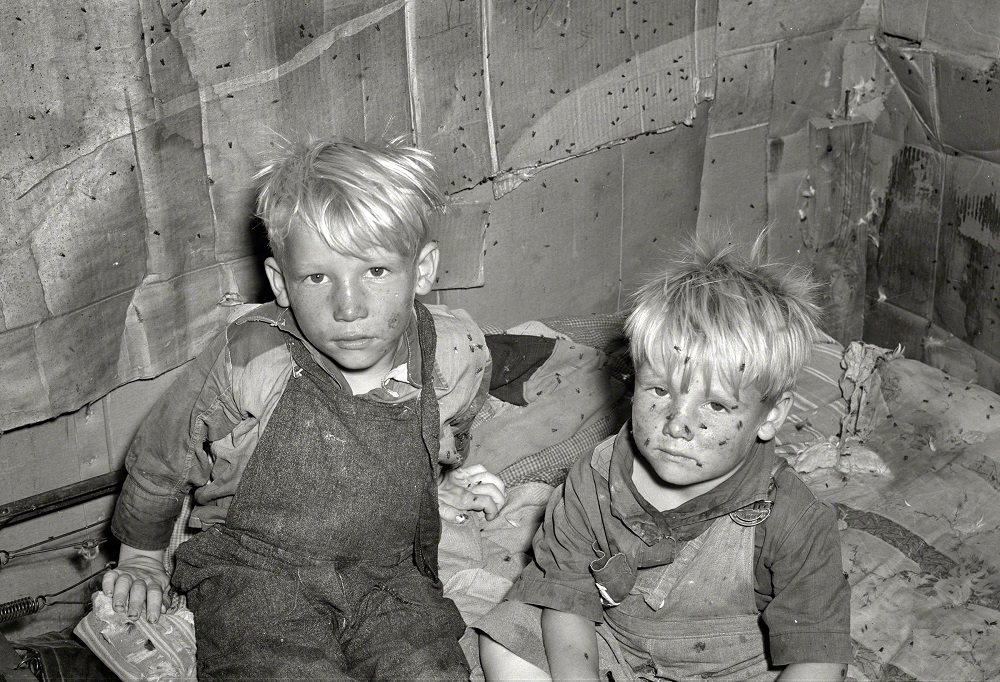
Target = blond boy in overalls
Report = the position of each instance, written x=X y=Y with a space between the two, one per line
x=684 y=548
x=317 y=434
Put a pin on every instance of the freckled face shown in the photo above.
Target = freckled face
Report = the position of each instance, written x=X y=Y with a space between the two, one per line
x=700 y=436
x=352 y=309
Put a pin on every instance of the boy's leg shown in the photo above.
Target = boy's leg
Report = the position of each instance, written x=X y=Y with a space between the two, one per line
x=254 y=624
x=405 y=628
x=500 y=664
x=511 y=630
x=511 y=646
x=251 y=622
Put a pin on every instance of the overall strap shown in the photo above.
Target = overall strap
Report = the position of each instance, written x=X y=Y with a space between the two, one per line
x=428 y=534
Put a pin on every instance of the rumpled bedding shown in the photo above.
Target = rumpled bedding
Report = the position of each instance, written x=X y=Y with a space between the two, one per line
x=573 y=401
x=921 y=543
x=909 y=457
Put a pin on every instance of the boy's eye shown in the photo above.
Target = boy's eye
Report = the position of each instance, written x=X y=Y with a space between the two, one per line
x=659 y=391
x=316 y=278
x=377 y=271
x=718 y=407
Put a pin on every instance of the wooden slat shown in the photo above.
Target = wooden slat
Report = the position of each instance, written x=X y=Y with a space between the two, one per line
x=835 y=220
x=60 y=498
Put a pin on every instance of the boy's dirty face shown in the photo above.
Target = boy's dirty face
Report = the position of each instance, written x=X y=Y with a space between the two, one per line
x=700 y=435
x=353 y=309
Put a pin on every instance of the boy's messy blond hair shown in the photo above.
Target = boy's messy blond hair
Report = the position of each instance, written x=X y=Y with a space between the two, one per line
x=355 y=195
x=735 y=317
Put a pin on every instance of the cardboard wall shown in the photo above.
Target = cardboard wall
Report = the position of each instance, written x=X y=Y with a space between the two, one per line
x=564 y=133
x=578 y=142
x=135 y=128
x=932 y=260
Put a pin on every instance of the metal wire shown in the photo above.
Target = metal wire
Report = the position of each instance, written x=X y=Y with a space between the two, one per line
x=26 y=606
x=89 y=543
x=12 y=553
x=107 y=566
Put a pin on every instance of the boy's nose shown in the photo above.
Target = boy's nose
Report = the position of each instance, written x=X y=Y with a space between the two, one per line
x=676 y=426
x=348 y=305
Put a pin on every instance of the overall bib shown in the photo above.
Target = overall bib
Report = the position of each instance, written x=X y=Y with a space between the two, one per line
x=326 y=565
x=695 y=618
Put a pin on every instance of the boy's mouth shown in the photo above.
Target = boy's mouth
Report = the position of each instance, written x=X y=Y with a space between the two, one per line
x=677 y=457
x=353 y=342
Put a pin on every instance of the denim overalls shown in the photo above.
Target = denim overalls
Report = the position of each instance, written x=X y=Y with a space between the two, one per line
x=326 y=567
x=695 y=618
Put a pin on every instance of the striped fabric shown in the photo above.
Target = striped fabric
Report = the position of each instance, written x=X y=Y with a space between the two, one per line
x=601 y=331
x=818 y=405
x=179 y=534
x=551 y=464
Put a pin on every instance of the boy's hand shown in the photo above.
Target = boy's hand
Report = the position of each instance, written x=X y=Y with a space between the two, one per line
x=471 y=488
x=137 y=585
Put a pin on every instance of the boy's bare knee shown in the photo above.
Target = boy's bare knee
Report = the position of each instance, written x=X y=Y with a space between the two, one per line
x=500 y=664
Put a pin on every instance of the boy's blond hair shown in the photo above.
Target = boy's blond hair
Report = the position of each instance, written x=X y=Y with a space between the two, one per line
x=355 y=195
x=740 y=318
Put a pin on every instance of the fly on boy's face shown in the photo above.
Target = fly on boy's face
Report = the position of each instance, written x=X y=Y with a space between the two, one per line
x=352 y=309
x=699 y=435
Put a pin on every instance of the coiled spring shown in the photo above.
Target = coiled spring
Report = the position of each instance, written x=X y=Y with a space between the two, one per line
x=26 y=606
x=19 y=608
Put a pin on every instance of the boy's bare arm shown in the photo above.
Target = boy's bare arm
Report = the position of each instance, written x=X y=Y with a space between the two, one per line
x=570 y=645
x=815 y=672
x=137 y=585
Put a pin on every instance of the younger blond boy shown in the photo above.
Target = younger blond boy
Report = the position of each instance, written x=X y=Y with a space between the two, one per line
x=684 y=548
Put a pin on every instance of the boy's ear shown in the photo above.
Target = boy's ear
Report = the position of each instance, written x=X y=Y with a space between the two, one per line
x=426 y=268
x=775 y=417
x=273 y=271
